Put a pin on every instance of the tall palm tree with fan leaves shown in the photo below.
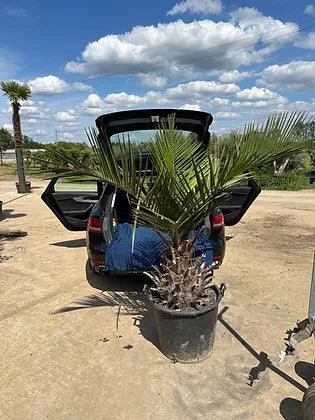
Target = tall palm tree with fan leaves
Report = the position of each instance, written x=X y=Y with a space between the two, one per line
x=178 y=184
x=16 y=93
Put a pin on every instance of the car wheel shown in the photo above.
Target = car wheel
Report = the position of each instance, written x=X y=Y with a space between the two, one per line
x=308 y=403
x=91 y=268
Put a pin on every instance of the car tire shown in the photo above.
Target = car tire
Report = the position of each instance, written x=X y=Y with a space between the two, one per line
x=308 y=403
x=92 y=269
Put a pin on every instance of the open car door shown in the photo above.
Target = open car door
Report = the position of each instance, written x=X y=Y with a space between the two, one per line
x=72 y=205
x=239 y=201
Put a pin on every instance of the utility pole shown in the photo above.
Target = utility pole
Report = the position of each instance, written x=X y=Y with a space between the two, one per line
x=56 y=135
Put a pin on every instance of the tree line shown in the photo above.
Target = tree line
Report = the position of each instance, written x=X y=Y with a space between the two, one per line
x=7 y=143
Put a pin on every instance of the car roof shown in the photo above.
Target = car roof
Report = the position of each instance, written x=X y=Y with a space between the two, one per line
x=149 y=119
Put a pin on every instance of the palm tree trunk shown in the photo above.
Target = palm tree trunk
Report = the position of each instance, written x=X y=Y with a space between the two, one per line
x=18 y=147
x=282 y=167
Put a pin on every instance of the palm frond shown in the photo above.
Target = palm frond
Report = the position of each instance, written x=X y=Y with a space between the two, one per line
x=175 y=187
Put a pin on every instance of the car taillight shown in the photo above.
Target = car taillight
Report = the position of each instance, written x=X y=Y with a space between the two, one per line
x=94 y=224
x=217 y=220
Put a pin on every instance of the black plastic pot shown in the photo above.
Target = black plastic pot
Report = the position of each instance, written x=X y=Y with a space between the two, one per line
x=185 y=336
x=23 y=190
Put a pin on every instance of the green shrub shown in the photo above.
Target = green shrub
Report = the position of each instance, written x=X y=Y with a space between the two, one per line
x=288 y=181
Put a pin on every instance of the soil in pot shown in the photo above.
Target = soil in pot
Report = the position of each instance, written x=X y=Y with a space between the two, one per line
x=187 y=336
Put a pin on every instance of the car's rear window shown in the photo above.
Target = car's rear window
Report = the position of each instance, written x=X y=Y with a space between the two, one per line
x=142 y=137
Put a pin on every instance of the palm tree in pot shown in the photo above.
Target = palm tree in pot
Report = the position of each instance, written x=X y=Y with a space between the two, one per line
x=172 y=191
x=16 y=93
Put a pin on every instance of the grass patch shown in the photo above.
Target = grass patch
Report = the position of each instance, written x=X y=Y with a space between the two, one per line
x=7 y=172
x=28 y=172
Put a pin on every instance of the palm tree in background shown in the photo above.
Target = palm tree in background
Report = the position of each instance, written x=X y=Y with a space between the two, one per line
x=16 y=93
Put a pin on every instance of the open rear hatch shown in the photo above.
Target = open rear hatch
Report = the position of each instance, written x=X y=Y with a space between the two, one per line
x=150 y=119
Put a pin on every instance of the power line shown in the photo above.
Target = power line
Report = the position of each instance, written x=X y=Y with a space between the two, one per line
x=145 y=69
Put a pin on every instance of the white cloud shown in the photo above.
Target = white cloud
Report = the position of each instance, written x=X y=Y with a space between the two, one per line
x=259 y=99
x=307 y=41
x=226 y=115
x=30 y=110
x=66 y=116
x=256 y=94
x=180 y=48
x=219 y=102
x=33 y=111
x=124 y=99
x=40 y=121
x=191 y=107
x=296 y=75
x=92 y=105
x=255 y=23
x=95 y=105
x=206 y=7
x=153 y=81
x=6 y=111
x=235 y=76
x=93 y=101
x=303 y=106
x=310 y=10
x=68 y=136
x=27 y=102
x=272 y=105
x=37 y=132
x=50 y=85
x=8 y=126
x=185 y=94
x=70 y=125
x=199 y=89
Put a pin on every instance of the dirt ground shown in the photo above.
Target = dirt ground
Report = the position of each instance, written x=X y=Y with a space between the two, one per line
x=66 y=355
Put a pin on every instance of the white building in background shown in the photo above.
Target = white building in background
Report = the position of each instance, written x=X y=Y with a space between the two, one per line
x=9 y=155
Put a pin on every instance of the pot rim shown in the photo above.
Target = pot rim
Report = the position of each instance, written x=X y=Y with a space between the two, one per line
x=180 y=313
x=26 y=183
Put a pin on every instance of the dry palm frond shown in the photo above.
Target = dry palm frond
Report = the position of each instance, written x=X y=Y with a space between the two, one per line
x=12 y=233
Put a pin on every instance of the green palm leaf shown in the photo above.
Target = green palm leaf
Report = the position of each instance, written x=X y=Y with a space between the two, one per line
x=186 y=181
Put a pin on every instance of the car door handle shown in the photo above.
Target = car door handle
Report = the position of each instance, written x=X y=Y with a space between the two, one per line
x=84 y=200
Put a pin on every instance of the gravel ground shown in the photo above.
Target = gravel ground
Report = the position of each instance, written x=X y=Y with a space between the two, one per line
x=66 y=354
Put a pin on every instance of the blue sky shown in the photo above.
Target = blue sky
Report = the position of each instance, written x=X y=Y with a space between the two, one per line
x=240 y=60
